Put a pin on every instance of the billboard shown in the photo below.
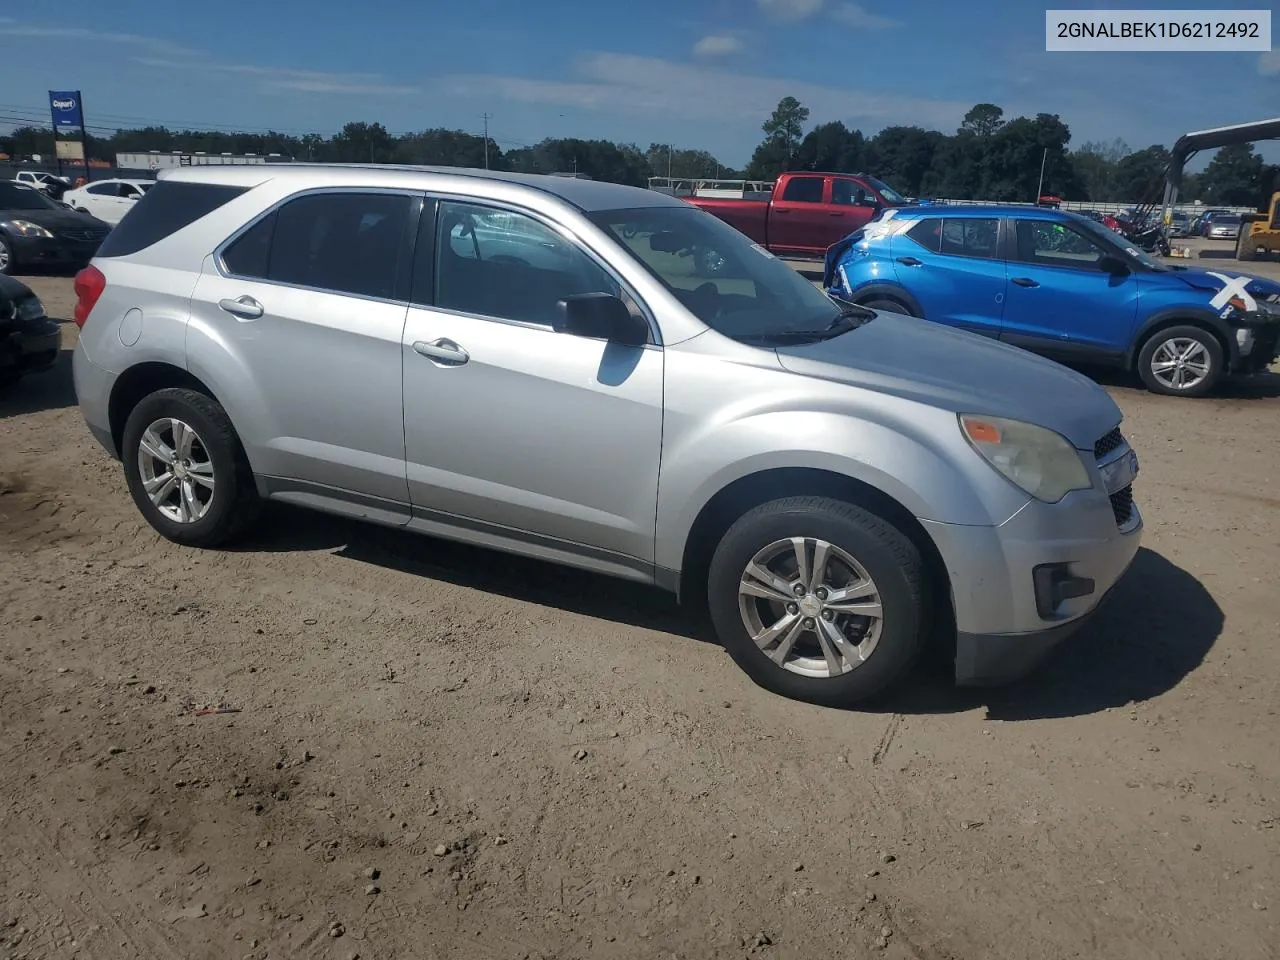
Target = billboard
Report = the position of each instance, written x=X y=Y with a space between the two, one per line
x=66 y=109
x=70 y=150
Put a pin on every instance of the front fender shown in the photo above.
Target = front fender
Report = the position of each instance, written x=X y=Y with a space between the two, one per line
x=932 y=481
x=1180 y=314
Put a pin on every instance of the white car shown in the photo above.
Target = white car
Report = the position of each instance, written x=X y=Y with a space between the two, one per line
x=44 y=182
x=108 y=200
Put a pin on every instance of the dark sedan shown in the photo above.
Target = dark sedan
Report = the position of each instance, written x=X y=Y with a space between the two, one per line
x=29 y=340
x=35 y=230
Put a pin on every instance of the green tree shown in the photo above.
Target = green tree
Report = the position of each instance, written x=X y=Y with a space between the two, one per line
x=361 y=142
x=902 y=156
x=983 y=119
x=1014 y=155
x=1234 y=176
x=1095 y=163
x=782 y=133
x=1140 y=176
x=832 y=147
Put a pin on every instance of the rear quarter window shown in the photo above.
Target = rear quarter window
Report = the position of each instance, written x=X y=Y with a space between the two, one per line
x=165 y=209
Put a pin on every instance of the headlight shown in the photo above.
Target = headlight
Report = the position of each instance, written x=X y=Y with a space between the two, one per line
x=25 y=228
x=29 y=309
x=1039 y=461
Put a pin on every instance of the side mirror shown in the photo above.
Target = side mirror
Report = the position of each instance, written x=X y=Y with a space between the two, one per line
x=601 y=316
x=1113 y=265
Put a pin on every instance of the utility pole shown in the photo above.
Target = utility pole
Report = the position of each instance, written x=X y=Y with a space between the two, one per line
x=1040 y=186
x=486 y=139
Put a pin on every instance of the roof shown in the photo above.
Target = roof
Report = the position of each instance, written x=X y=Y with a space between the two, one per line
x=984 y=210
x=587 y=195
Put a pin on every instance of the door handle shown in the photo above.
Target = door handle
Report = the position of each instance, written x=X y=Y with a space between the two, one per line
x=909 y=262
x=1024 y=282
x=246 y=308
x=442 y=351
x=838 y=213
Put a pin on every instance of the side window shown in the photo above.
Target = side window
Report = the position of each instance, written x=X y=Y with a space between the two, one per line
x=970 y=238
x=103 y=189
x=1055 y=244
x=850 y=194
x=498 y=263
x=927 y=233
x=353 y=243
x=250 y=254
x=803 y=190
x=129 y=190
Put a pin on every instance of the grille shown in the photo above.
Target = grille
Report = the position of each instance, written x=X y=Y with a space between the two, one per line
x=1110 y=442
x=1122 y=505
x=85 y=236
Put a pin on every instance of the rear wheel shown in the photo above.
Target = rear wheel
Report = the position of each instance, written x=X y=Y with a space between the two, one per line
x=818 y=599
x=6 y=256
x=886 y=305
x=1181 y=362
x=186 y=469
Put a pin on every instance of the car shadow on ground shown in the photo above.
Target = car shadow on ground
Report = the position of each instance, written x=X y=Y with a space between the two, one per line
x=1258 y=386
x=1154 y=629
x=286 y=529
x=50 y=389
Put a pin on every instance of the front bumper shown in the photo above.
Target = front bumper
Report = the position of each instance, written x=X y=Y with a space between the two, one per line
x=52 y=251
x=1007 y=618
x=29 y=345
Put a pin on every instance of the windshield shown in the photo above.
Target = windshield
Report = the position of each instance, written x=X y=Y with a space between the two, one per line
x=886 y=191
x=18 y=196
x=734 y=286
x=1117 y=242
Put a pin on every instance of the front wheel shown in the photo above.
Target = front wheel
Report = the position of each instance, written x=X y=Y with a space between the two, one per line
x=1181 y=362
x=6 y=256
x=186 y=469
x=818 y=599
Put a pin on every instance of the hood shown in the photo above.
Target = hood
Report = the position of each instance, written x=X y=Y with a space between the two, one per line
x=1260 y=288
x=962 y=372
x=55 y=220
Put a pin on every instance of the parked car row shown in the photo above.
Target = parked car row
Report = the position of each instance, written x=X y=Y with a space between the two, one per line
x=38 y=231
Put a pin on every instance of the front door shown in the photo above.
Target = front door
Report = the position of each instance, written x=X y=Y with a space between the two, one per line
x=511 y=429
x=951 y=266
x=307 y=307
x=1059 y=299
x=850 y=209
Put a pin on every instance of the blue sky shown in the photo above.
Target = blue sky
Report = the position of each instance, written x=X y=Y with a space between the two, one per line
x=699 y=73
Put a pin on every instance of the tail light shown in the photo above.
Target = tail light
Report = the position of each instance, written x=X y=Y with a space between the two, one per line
x=89 y=285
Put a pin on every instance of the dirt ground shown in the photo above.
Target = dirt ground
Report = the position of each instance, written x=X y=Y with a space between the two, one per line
x=544 y=764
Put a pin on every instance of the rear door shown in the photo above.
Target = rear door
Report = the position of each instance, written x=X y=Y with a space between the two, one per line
x=951 y=266
x=307 y=306
x=1059 y=299
x=799 y=218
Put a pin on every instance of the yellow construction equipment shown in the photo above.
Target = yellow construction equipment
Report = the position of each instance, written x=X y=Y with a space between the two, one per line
x=1263 y=234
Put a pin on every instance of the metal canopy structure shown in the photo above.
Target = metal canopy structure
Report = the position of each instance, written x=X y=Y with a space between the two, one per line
x=1189 y=144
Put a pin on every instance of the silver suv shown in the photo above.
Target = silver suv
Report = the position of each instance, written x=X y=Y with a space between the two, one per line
x=609 y=378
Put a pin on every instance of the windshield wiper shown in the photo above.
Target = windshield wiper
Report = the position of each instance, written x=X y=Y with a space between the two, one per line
x=848 y=319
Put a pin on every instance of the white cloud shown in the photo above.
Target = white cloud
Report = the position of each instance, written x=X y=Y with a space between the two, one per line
x=647 y=86
x=281 y=78
x=1269 y=63
x=716 y=45
x=790 y=9
x=855 y=15
x=166 y=55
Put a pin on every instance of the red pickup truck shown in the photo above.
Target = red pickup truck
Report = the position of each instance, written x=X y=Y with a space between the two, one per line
x=807 y=212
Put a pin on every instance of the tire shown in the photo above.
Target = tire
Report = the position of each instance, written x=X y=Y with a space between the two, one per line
x=886 y=305
x=7 y=262
x=230 y=503
x=806 y=670
x=1178 y=341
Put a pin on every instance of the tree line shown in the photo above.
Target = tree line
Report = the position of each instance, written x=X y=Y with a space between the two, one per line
x=988 y=157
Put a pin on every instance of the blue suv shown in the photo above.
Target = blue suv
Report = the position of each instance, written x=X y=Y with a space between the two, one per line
x=1062 y=285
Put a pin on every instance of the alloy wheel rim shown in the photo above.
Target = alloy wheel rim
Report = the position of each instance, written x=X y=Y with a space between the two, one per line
x=176 y=470
x=4 y=256
x=1180 y=363
x=810 y=607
